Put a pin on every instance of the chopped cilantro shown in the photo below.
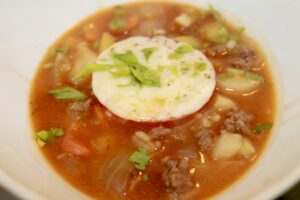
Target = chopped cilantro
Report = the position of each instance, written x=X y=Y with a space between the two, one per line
x=174 y=56
x=90 y=68
x=146 y=76
x=185 y=68
x=140 y=159
x=117 y=20
x=223 y=36
x=47 y=136
x=67 y=93
x=119 y=11
x=145 y=177
x=141 y=73
x=160 y=101
x=40 y=142
x=172 y=68
x=263 y=127
x=57 y=131
x=121 y=71
x=128 y=58
x=178 y=97
x=48 y=65
x=218 y=33
x=132 y=82
x=62 y=50
x=117 y=23
x=216 y=14
x=96 y=44
x=199 y=67
x=184 y=49
x=148 y=52
x=240 y=30
x=180 y=51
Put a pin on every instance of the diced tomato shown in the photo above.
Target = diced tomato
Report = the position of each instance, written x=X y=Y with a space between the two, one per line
x=91 y=32
x=73 y=146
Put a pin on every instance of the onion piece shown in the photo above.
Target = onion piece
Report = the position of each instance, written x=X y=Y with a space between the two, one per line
x=141 y=139
x=227 y=145
x=106 y=41
x=230 y=144
x=223 y=103
x=115 y=173
x=238 y=84
x=238 y=80
x=247 y=148
x=83 y=57
x=102 y=143
x=184 y=20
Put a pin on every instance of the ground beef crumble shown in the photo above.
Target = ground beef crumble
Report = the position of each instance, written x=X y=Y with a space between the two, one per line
x=204 y=139
x=241 y=56
x=175 y=175
x=238 y=121
x=159 y=132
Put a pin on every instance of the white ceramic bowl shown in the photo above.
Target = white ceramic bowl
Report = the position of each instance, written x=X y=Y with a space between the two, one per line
x=29 y=27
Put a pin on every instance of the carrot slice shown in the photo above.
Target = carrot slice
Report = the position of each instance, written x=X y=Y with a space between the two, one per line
x=73 y=146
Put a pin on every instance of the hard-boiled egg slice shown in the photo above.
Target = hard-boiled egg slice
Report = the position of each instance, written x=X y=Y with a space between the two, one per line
x=153 y=79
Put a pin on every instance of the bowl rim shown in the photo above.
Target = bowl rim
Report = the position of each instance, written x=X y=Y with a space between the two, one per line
x=275 y=189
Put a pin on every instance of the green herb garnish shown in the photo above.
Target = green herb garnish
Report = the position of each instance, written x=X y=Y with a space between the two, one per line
x=160 y=101
x=140 y=159
x=180 y=51
x=148 y=52
x=48 y=65
x=178 y=97
x=121 y=71
x=174 y=56
x=119 y=11
x=240 y=30
x=145 y=177
x=90 y=68
x=172 y=68
x=199 y=67
x=57 y=131
x=263 y=127
x=96 y=44
x=47 y=136
x=62 y=50
x=184 y=49
x=146 y=76
x=67 y=93
x=132 y=82
x=141 y=73
x=117 y=23
x=215 y=13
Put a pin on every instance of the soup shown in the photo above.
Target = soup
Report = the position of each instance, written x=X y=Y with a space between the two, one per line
x=153 y=100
